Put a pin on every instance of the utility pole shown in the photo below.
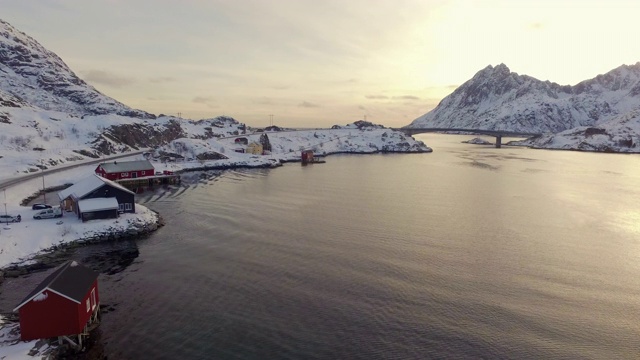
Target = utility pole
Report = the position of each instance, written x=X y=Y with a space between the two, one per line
x=271 y=119
x=44 y=194
x=5 y=204
x=365 y=117
x=179 y=114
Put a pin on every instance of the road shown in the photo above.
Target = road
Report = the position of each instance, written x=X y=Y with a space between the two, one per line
x=10 y=182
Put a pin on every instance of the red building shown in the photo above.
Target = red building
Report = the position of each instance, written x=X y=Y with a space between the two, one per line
x=307 y=156
x=62 y=305
x=117 y=170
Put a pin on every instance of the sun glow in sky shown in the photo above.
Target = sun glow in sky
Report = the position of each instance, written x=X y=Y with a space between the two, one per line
x=319 y=63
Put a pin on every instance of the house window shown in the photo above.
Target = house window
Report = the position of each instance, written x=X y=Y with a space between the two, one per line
x=124 y=174
x=127 y=206
x=88 y=305
x=121 y=207
x=93 y=298
x=142 y=172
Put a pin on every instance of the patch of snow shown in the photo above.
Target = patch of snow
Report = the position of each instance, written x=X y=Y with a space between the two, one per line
x=12 y=348
x=43 y=296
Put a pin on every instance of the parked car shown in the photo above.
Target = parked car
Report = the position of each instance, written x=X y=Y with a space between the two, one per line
x=40 y=206
x=8 y=219
x=48 y=213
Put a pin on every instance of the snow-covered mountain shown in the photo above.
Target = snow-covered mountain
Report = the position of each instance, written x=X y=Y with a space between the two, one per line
x=38 y=77
x=50 y=117
x=498 y=99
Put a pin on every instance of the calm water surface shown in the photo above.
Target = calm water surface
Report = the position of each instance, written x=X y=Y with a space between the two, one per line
x=468 y=252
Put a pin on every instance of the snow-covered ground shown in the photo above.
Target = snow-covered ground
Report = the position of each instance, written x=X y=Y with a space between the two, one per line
x=287 y=145
x=20 y=241
x=620 y=134
x=11 y=348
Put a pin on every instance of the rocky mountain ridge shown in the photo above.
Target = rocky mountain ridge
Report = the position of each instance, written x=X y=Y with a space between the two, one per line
x=39 y=77
x=499 y=99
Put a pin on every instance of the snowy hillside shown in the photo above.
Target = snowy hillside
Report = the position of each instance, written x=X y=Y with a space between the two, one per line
x=496 y=98
x=620 y=134
x=222 y=152
x=40 y=78
x=32 y=139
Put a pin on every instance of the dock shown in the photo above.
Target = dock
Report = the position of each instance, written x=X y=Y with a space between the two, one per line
x=150 y=181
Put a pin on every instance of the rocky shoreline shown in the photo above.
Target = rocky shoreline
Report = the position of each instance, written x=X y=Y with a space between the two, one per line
x=57 y=254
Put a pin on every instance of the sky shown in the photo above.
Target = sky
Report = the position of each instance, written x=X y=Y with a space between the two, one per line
x=309 y=63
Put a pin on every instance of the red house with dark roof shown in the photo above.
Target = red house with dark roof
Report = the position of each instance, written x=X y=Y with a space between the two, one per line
x=117 y=170
x=62 y=305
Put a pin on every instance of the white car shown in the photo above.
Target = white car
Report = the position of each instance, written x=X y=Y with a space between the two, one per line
x=8 y=219
x=48 y=213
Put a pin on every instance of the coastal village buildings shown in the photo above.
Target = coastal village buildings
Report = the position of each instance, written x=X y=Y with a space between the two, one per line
x=97 y=198
x=241 y=141
x=254 y=148
x=65 y=303
x=116 y=170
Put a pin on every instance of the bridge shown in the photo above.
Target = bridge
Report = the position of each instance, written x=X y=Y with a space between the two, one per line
x=498 y=134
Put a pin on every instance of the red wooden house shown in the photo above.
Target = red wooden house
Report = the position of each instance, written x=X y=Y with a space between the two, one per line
x=307 y=156
x=64 y=304
x=117 y=170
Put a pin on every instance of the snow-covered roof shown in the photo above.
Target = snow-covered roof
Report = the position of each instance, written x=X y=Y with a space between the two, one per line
x=98 y=204
x=71 y=281
x=87 y=185
x=126 y=166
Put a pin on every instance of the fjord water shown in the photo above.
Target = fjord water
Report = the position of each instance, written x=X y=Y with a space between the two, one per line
x=468 y=252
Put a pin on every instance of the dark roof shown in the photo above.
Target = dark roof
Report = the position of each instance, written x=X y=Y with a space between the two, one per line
x=126 y=166
x=71 y=280
x=87 y=185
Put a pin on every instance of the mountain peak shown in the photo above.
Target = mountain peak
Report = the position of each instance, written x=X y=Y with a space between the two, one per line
x=496 y=98
x=40 y=78
x=500 y=68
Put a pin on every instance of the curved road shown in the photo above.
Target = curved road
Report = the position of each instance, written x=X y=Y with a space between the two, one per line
x=10 y=182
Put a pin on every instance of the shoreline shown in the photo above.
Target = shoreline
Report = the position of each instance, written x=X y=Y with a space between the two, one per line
x=45 y=258
x=52 y=256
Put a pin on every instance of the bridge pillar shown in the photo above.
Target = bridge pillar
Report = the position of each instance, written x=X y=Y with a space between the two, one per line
x=498 y=141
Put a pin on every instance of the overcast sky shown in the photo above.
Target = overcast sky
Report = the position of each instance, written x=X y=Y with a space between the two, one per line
x=321 y=62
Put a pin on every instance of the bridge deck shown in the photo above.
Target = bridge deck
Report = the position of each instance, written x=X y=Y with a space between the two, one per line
x=505 y=133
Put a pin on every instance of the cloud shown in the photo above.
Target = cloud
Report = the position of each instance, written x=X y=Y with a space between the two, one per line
x=308 y=104
x=406 y=97
x=360 y=107
x=536 y=26
x=376 y=97
x=106 y=78
x=206 y=100
x=162 y=79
